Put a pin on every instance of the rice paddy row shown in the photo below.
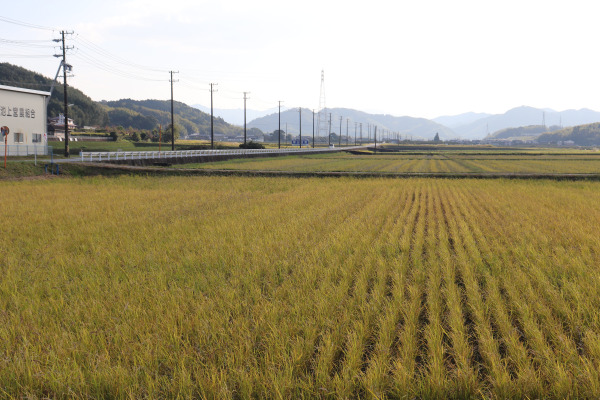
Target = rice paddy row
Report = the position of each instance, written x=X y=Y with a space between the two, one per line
x=217 y=287
x=437 y=163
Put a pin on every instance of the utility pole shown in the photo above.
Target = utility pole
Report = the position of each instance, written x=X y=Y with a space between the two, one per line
x=361 y=133
x=355 y=124
x=212 y=133
x=313 y=128
x=66 y=68
x=340 y=138
x=329 y=130
x=347 y=122
x=279 y=127
x=300 y=113
x=245 y=98
x=285 y=136
x=172 y=116
x=375 y=137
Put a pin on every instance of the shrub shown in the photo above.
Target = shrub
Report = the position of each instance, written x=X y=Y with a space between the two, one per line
x=252 y=145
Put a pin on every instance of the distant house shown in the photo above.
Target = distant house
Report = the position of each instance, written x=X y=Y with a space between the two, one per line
x=249 y=138
x=56 y=126
x=566 y=143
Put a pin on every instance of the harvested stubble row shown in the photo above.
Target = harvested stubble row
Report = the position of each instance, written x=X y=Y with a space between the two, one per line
x=278 y=287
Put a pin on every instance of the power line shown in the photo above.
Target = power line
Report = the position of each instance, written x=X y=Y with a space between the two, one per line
x=97 y=63
x=26 y=24
x=28 y=40
x=26 y=43
x=25 y=56
x=90 y=53
x=187 y=85
x=83 y=42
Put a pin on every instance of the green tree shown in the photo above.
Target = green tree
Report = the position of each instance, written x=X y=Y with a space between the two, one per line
x=167 y=134
x=251 y=145
x=116 y=136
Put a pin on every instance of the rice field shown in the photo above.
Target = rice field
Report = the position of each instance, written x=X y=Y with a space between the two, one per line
x=233 y=287
x=438 y=162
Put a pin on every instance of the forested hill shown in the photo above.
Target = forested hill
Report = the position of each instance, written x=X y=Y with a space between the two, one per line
x=582 y=135
x=148 y=114
x=136 y=114
x=84 y=110
x=520 y=132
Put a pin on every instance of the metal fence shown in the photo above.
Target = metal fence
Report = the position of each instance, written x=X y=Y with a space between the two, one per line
x=141 y=155
x=25 y=149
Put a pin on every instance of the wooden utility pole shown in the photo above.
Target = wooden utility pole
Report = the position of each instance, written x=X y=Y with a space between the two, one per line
x=347 y=122
x=279 y=128
x=212 y=133
x=172 y=115
x=329 y=130
x=66 y=68
x=300 y=113
x=313 y=128
x=245 y=98
x=361 y=134
x=340 y=138
x=375 y=138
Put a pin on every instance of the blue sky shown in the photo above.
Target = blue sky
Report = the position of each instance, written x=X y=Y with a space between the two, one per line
x=420 y=58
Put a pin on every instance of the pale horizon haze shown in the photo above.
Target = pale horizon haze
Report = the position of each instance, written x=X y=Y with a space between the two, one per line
x=405 y=58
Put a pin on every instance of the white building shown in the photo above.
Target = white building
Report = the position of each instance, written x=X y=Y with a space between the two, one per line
x=23 y=111
x=57 y=126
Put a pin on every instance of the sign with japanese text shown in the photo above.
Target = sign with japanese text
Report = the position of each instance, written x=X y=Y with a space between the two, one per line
x=17 y=112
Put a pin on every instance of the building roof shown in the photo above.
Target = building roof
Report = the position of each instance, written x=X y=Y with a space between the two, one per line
x=22 y=90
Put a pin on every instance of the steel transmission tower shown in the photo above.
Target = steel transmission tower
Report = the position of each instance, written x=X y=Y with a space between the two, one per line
x=322 y=119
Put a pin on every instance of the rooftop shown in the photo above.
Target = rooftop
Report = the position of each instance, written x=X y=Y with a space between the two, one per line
x=22 y=90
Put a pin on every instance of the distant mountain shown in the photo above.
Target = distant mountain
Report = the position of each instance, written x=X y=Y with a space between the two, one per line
x=418 y=128
x=84 y=111
x=581 y=135
x=577 y=117
x=453 y=121
x=235 y=116
x=148 y=114
x=525 y=116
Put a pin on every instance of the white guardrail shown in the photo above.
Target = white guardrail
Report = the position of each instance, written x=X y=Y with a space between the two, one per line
x=159 y=155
